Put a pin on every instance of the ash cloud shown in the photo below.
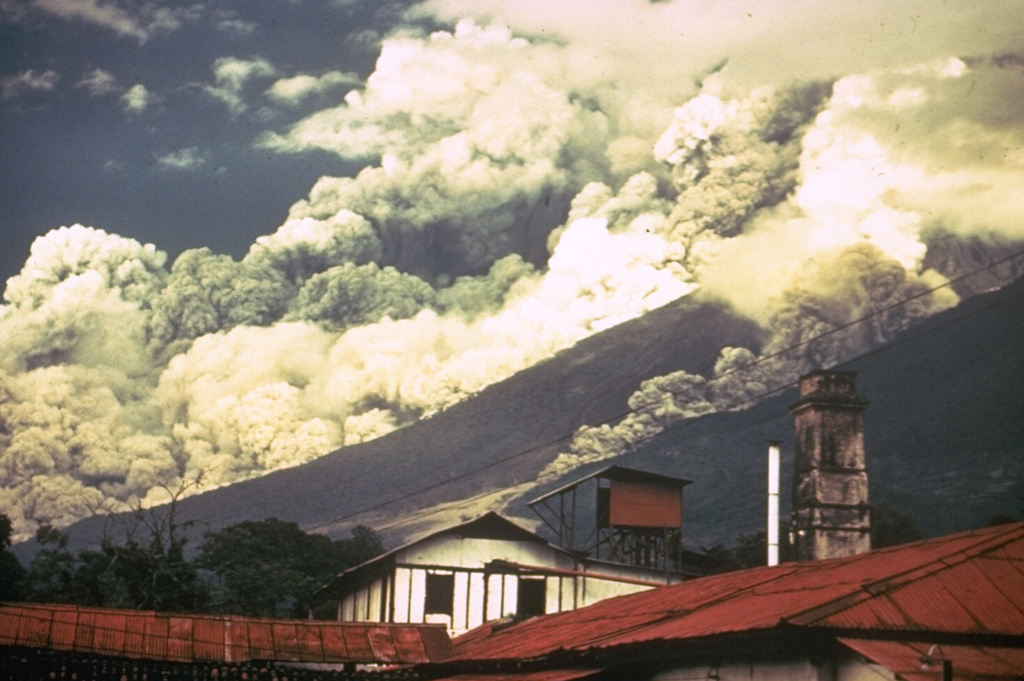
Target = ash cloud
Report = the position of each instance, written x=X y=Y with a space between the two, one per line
x=521 y=191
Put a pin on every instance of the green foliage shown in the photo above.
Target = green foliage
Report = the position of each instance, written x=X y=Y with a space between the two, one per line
x=147 y=570
x=749 y=550
x=272 y=568
x=51 y=576
x=144 y=567
x=265 y=568
x=890 y=527
x=11 y=573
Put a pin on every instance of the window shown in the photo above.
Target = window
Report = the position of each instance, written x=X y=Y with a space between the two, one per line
x=532 y=598
x=440 y=595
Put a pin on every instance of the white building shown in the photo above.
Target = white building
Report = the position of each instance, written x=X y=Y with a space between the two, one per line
x=476 y=572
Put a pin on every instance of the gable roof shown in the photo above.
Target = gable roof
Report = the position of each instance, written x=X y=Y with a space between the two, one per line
x=490 y=525
x=144 y=634
x=970 y=585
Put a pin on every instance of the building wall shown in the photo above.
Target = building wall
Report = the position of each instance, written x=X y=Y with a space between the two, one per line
x=812 y=667
x=402 y=596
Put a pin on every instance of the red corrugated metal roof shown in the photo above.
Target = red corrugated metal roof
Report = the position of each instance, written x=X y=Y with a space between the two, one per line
x=546 y=675
x=966 y=583
x=184 y=638
x=970 y=663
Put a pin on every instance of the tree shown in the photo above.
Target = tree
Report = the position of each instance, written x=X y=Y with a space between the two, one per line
x=748 y=550
x=140 y=563
x=272 y=568
x=890 y=527
x=51 y=575
x=150 y=567
x=12 y=574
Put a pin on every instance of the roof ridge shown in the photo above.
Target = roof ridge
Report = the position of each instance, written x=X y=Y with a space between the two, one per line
x=772 y=574
x=988 y=539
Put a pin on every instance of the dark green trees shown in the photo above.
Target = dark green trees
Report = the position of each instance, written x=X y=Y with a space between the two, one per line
x=272 y=568
x=265 y=568
x=12 y=574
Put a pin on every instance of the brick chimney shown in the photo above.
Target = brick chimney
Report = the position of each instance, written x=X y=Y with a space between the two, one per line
x=830 y=513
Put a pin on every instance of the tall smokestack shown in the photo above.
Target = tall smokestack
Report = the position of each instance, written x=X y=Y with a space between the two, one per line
x=773 y=502
x=831 y=517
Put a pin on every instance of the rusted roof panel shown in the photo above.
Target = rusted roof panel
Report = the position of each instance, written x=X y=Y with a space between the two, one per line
x=185 y=638
x=84 y=631
x=208 y=639
x=921 y=602
x=179 y=638
x=157 y=629
x=310 y=644
x=975 y=586
x=34 y=631
x=108 y=632
x=62 y=629
x=381 y=642
x=950 y=584
x=261 y=644
x=334 y=642
x=236 y=640
x=357 y=642
x=546 y=675
x=406 y=641
x=135 y=635
x=436 y=644
x=286 y=645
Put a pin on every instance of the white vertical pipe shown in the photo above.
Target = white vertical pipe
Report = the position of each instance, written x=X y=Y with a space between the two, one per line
x=773 y=502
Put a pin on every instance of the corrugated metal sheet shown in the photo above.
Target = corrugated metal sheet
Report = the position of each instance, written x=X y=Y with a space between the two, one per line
x=185 y=638
x=967 y=583
x=970 y=663
x=547 y=675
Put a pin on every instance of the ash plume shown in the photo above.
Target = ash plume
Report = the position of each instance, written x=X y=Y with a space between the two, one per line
x=519 y=193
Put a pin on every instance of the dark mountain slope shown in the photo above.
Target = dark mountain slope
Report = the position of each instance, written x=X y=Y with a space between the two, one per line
x=944 y=432
x=510 y=430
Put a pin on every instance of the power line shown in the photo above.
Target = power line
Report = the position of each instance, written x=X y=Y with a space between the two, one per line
x=689 y=421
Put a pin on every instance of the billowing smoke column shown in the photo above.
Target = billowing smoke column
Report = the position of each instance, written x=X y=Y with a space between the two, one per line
x=509 y=208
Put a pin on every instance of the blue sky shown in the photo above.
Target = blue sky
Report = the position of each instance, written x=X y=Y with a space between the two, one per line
x=112 y=115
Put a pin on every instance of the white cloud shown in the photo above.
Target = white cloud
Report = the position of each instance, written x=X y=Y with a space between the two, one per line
x=231 y=75
x=137 y=99
x=142 y=22
x=764 y=42
x=28 y=81
x=297 y=88
x=228 y=21
x=98 y=82
x=188 y=158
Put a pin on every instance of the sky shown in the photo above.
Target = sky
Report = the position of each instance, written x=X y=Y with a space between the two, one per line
x=426 y=197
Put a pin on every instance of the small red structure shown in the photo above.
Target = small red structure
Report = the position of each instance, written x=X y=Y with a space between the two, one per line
x=638 y=517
